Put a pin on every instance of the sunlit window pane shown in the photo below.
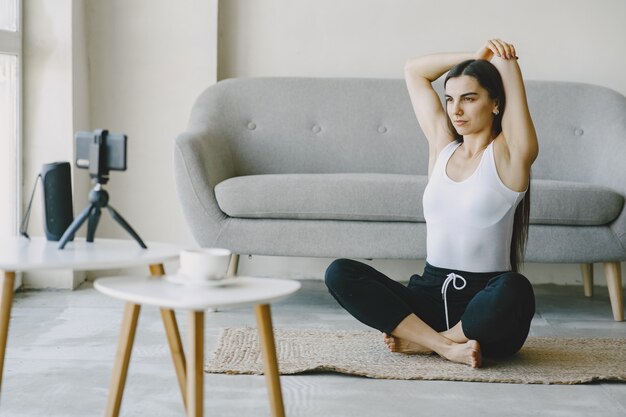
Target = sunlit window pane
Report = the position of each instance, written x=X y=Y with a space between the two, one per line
x=8 y=15
x=8 y=143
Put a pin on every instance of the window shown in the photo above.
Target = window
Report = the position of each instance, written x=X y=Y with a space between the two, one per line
x=10 y=115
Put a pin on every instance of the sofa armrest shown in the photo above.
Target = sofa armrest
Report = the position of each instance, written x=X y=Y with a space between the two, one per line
x=609 y=169
x=617 y=181
x=201 y=162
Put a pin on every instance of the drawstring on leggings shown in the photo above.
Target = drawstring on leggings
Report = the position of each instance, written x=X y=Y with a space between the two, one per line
x=452 y=277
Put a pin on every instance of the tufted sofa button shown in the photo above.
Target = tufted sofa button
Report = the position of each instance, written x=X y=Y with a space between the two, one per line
x=251 y=126
x=316 y=129
x=579 y=132
x=382 y=129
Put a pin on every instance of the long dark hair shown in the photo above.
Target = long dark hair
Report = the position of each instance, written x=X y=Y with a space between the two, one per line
x=489 y=78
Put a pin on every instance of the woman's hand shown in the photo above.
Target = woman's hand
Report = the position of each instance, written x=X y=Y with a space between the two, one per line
x=496 y=47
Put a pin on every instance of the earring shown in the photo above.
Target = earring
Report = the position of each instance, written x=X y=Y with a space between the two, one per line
x=496 y=112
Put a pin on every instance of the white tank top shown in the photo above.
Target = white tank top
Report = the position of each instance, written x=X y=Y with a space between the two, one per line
x=469 y=224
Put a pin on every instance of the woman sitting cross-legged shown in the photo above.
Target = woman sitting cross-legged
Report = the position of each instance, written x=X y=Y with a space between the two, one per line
x=470 y=300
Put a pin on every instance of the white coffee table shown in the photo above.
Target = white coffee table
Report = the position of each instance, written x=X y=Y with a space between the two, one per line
x=242 y=291
x=21 y=254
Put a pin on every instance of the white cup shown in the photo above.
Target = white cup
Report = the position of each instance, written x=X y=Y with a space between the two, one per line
x=206 y=264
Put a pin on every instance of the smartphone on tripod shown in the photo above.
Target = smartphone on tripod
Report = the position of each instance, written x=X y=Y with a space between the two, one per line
x=99 y=151
x=115 y=151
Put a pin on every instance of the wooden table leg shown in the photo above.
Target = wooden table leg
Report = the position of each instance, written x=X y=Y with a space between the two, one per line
x=122 y=358
x=8 y=281
x=176 y=349
x=268 y=347
x=195 y=364
x=173 y=339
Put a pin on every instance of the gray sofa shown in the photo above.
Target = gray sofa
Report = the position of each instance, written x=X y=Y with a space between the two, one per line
x=336 y=168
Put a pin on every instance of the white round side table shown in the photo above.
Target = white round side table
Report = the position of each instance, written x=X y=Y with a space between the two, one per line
x=242 y=291
x=22 y=254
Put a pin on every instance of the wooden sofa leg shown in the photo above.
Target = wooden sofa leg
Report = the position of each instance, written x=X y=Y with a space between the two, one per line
x=613 y=274
x=587 y=272
x=233 y=267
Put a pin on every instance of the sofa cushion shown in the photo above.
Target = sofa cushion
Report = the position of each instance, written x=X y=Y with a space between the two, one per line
x=393 y=197
x=375 y=197
x=574 y=204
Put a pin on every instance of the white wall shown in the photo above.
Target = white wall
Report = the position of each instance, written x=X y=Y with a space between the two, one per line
x=571 y=40
x=148 y=61
x=48 y=121
x=54 y=106
x=133 y=67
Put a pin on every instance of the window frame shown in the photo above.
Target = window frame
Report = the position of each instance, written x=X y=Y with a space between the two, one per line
x=11 y=43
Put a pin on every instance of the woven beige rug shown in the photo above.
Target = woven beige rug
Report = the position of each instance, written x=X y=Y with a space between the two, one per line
x=542 y=360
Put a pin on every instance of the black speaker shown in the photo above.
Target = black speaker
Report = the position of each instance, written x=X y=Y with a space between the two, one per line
x=58 y=211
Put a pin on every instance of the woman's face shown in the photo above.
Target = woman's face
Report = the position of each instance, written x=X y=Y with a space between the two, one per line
x=469 y=106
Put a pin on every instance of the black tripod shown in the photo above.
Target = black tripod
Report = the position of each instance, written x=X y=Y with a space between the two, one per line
x=99 y=161
x=98 y=199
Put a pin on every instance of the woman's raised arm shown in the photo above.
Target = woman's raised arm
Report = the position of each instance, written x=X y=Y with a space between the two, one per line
x=419 y=74
x=517 y=126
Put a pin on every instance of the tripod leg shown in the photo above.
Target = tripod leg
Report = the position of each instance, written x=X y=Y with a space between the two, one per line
x=118 y=218
x=93 y=224
x=75 y=225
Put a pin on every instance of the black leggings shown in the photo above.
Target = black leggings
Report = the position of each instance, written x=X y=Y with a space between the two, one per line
x=494 y=308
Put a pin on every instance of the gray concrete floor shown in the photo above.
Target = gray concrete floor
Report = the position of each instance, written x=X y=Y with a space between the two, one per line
x=62 y=344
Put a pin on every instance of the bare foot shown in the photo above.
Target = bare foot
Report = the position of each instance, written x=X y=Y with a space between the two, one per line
x=467 y=353
x=395 y=344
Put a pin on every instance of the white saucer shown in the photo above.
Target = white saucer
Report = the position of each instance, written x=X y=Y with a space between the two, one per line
x=184 y=280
